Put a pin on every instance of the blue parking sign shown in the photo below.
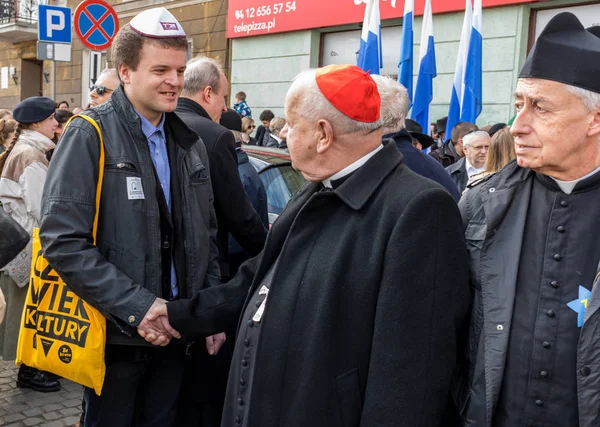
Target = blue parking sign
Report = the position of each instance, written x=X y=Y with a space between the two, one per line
x=54 y=24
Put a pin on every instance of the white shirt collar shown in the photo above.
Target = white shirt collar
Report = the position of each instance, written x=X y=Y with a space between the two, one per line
x=568 y=186
x=349 y=169
x=472 y=170
x=276 y=138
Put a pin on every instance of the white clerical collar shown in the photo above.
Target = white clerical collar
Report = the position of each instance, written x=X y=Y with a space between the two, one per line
x=472 y=170
x=349 y=169
x=568 y=186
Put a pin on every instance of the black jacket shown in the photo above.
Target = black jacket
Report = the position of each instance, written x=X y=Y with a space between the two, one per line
x=494 y=219
x=458 y=173
x=257 y=195
x=446 y=155
x=365 y=310
x=423 y=164
x=127 y=268
x=260 y=134
x=235 y=214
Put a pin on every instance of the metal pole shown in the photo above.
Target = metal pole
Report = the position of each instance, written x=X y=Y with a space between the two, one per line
x=54 y=81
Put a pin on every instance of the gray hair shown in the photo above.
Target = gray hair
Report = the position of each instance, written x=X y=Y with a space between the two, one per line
x=394 y=102
x=590 y=99
x=112 y=71
x=478 y=134
x=312 y=105
x=276 y=125
x=201 y=73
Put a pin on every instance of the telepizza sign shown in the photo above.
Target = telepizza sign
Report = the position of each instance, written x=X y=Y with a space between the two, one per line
x=254 y=17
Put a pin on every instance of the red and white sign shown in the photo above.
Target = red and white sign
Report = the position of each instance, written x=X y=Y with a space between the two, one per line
x=253 y=17
x=96 y=24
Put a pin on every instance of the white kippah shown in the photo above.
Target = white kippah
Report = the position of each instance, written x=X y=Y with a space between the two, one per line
x=157 y=23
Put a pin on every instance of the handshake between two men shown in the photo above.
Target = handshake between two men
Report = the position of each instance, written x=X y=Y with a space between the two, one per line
x=156 y=329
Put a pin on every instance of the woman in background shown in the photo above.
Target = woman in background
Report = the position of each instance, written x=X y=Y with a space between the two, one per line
x=248 y=127
x=7 y=131
x=23 y=169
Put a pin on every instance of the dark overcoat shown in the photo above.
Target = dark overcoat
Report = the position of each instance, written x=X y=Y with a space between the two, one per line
x=234 y=211
x=494 y=218
x=458 y=173
x=365 y=312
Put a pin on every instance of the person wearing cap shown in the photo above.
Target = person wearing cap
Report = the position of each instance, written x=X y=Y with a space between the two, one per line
x=156 y=223
x=23 y=169
x=346 y=322
x=532 y=235
x=404 y=132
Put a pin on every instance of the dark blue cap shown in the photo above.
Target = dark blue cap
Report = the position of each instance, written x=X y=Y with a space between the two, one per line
x=34 y=109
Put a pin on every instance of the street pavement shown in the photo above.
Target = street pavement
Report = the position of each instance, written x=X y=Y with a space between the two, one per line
x=24 y=407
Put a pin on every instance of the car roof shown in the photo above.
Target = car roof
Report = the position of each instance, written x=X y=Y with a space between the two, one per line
x=266 y=156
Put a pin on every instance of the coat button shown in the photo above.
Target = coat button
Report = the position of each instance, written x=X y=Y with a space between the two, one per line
x=546 y=344
x=560 y=229
x=250 y=323
x=554 y=284
x=166 y=244
x=131 y=319
x=564 y=204
x=585 y=371
x=544 y=374
x=247 y=342
x=557 y=257
x=550 y=313
x=238 y=420
x=240 y=401
x=492 y=190
x=244 y=362
x=500 y=327
x=242 y=382
x=539 y=402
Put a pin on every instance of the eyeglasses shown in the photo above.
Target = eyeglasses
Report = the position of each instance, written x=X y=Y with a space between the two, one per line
x=101 y=89
x=251 y=127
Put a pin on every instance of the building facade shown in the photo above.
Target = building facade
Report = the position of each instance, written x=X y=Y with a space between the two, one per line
x=264 y=65
x=23 y=75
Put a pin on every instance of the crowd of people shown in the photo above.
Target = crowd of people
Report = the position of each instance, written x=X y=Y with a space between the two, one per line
x=416 y=279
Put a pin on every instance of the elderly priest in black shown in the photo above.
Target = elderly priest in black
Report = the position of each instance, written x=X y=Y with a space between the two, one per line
x=357 y=303
x=532 y=234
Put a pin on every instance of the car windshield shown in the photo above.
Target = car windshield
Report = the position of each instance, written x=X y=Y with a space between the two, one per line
x=281 y=183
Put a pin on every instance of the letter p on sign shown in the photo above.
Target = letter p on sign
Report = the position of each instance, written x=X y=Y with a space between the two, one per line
x=54 y=24
x=55 y=21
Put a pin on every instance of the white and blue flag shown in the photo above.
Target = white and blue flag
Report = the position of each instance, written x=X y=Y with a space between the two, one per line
x=472 y=98
x=427 y=72
x=369 y=54
x=458 y=87
x=405 y=66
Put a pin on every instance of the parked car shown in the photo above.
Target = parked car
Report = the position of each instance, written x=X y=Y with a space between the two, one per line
x=281 y=180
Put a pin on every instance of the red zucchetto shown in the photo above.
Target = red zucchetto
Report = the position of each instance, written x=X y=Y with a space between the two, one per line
x=351 y=91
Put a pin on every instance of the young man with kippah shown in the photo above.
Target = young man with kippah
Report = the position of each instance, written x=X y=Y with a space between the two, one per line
x=346 y=322
x=155 y=239
x=532 y=235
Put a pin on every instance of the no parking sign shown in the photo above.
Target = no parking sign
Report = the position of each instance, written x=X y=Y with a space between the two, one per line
x=96 y=24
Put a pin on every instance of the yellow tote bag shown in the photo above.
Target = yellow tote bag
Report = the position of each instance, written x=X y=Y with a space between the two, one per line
x=60 y=332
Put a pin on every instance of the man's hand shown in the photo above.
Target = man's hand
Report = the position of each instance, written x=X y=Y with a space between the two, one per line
x=155 y=327
x=214 y=343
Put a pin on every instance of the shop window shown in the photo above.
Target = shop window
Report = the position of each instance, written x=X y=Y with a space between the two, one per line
x=342 y=48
